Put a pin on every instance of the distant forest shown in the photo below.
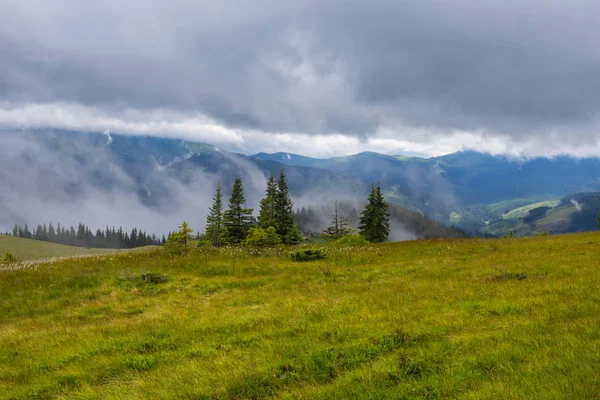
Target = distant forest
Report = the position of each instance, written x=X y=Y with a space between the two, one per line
x=310 y=221
x=84 y=237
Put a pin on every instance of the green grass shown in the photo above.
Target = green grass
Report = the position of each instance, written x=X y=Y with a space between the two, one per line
x=469 y=319
x=503 y=207
x=29 y=249
x=522 y=212
x=556 y=216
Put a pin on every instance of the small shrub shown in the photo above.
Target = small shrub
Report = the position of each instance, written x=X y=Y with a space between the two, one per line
x=8 y=258
x=307 y=255
x=353 y=240
x=154 y=278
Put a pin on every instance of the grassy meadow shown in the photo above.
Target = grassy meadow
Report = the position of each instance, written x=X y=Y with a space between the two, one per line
x=465 y=318
x=29 y=249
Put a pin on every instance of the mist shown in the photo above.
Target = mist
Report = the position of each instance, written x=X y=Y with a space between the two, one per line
x=71 y=182
x=104 y=179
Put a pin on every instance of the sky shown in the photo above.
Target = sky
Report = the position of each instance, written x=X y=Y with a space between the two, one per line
x=319 y=78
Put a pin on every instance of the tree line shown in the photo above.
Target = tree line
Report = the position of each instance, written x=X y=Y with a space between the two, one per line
x=276 y=222
x=84 y=237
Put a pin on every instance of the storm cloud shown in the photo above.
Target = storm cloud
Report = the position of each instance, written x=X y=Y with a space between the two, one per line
x=423 y=77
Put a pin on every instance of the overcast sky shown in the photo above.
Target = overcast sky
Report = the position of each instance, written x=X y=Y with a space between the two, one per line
x=319 y=78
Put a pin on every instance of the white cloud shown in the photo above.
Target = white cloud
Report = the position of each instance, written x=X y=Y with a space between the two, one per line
x=397 y=139
x=157 y=122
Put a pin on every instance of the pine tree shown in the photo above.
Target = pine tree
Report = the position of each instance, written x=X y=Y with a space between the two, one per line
x=215 y=229
x=284 y=213
x=339 y=225
x=26 y=232
x=51 y=233
x=374 y=220
x=237 y=219
x=267 y=215
x=181 y=237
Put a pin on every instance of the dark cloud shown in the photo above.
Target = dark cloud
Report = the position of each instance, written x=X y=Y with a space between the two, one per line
x=517 y=69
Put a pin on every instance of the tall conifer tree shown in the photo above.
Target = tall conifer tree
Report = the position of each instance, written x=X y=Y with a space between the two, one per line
x=215 y=229
x=284 y=213
x=237 y=219
x=374 y=220
x=267 y=216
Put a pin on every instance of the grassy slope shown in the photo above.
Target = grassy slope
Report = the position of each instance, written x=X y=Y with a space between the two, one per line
x=522 y=212
x=427 y=319
x=29 y=249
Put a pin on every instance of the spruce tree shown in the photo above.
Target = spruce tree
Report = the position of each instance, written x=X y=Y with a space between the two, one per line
x=267 y=215
x=339 y=225
x=237 y=219
x=374 y=220
x=51 y=233
x=284 y=213
x=215 y=229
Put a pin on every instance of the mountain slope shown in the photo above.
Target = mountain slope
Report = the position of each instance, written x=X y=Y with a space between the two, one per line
x=50 y=169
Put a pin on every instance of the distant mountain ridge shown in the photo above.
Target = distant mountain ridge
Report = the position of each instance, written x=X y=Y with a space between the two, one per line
x=463 y=189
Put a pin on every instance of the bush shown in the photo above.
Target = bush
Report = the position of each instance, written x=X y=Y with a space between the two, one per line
x=353 y=240
x=293 y=237
x=259 y=237
x=8 y=258
x=307 y=255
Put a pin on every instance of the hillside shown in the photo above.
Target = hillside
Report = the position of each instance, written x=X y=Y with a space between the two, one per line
x=462 y=318
x=573 y=213
x=29 y=249
x=160 y=179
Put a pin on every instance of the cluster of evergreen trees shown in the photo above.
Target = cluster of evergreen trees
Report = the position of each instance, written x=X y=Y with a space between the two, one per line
x=275 y=223
x=84 y=237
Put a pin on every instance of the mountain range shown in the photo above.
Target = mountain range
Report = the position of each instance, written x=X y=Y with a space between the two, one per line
x=475 y=191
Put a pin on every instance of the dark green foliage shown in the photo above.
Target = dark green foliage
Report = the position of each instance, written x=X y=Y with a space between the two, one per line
x=267 y=217
x=150 y=277
x=535 y=214
x=294 y=236
x=374 y=221
x=8 y=258
x=284 y=213
x=215 y=228
x=237 y=219
x=109 y=238
x=308 y=255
